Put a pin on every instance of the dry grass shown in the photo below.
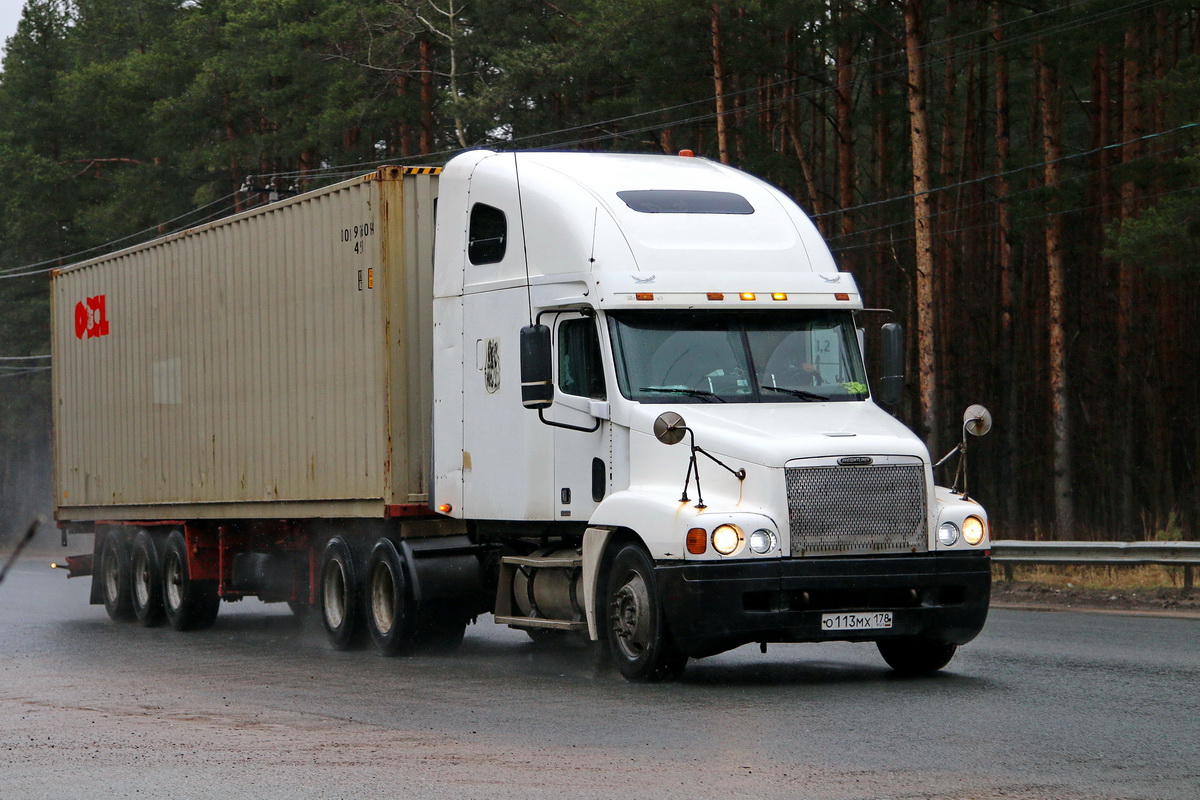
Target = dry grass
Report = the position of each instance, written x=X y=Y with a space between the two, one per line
x=1118 y=577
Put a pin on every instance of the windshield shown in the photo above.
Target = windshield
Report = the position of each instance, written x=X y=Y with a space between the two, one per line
x=737 y=357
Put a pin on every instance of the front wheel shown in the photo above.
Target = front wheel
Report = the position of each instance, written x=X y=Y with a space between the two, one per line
x=916 y=656
x=637 y=631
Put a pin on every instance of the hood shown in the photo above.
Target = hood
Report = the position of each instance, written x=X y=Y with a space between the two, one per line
x=771 y=434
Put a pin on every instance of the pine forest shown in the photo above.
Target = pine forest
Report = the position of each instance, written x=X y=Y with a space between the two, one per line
x=1016 y=181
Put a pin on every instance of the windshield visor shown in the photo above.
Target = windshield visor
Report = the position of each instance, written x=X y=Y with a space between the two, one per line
x=792 y=356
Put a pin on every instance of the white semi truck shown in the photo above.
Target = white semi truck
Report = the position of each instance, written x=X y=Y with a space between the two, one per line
x=617 y=395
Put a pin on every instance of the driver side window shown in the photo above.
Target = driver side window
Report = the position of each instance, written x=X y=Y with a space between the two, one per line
x=580 y=366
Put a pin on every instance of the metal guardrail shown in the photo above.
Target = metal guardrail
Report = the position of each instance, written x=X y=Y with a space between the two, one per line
x=1010 y=552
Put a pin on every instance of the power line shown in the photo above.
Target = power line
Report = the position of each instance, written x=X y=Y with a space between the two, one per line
x=34 y=269
x=1014 y=171
x=22 y=372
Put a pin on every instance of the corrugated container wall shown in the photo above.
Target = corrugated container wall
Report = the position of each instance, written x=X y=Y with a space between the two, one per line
x=273 y=364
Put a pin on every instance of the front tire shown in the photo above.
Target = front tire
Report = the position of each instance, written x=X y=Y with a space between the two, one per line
x=916 y=656
x=637 y=631
x=189 y=604
x=341 y=595
x=115 y=572
x=147 y=581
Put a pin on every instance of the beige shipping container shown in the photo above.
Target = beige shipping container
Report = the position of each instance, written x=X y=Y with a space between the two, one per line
x=274 y=364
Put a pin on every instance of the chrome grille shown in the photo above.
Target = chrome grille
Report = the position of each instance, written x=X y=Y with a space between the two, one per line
x=839 y=510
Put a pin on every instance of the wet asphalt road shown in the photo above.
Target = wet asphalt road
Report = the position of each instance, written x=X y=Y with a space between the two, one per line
x=1043 y=705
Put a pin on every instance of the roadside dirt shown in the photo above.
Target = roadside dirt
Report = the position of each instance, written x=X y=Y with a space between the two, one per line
x=1023 y=594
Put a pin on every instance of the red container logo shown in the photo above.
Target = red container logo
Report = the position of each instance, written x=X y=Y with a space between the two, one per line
x=91 y=318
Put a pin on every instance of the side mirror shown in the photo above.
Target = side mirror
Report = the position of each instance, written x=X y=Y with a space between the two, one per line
x=537 y=367
x=891 y=382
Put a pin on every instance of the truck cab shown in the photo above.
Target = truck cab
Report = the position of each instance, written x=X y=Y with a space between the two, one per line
x=649 y=389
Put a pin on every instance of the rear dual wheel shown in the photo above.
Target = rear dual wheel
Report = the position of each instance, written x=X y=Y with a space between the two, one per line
x=115 y=574
x=188 y=604
x=396 y=625
x=341 y=595
x=146 y=580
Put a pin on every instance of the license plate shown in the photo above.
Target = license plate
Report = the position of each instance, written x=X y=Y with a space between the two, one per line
x=860 y=621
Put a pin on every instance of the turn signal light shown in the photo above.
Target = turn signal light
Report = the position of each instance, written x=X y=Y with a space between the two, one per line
x=697 y=541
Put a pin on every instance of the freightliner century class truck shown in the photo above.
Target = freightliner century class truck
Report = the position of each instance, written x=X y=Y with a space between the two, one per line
x=617 y=395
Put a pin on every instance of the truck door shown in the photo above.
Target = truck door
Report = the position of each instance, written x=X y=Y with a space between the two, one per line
x=583 y=451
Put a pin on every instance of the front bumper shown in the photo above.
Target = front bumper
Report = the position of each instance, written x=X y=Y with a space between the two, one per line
x=715 y=606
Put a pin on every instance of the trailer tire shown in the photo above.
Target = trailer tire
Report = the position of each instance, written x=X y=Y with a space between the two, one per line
x=189 y=605
x=115 y=574
x=638 y=636
x=389 y=604
x=146 y=579
x=341 y=595
x=914 y=655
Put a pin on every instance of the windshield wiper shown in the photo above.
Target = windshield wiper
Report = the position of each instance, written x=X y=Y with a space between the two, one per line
x=688 y=392
x=803 y=395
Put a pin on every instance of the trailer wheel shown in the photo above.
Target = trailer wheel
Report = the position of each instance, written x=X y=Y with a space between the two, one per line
x=341 y=595
x=916 y=656
x=115 y=577
x=389 y=608
x=637 y=632
x=147 y=581
x=189 y=604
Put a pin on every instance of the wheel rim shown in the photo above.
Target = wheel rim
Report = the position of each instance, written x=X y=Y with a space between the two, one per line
x=112 y=575
x=333 y=590
x=630 y=616
x=383 y=599
x=173 y=582
x=141 y=578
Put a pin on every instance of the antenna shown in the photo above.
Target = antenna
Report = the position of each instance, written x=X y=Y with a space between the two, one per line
x=595 y=219
x=524 y=245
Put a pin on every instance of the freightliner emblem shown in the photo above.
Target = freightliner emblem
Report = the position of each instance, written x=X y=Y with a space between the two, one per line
x=855 y=461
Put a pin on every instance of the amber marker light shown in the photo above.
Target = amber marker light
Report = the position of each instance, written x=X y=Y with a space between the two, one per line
x=644 y=295
x=445 y=508
x=841 y=296
x=779 y=296
x=686 y=154
x=697 y=541
x=748 y=296
x=716 y=295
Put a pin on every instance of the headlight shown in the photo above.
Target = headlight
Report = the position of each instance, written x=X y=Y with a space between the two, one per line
x=728 y=539
x=762 y=541
x=974 y=530
x=947 y=534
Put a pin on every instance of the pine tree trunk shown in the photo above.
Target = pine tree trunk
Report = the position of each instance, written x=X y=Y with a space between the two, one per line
x=1004 y=266
x=919 y=139
x=844 y=70
x=1064 y=511
x=1131 y=129
x=718 y=72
